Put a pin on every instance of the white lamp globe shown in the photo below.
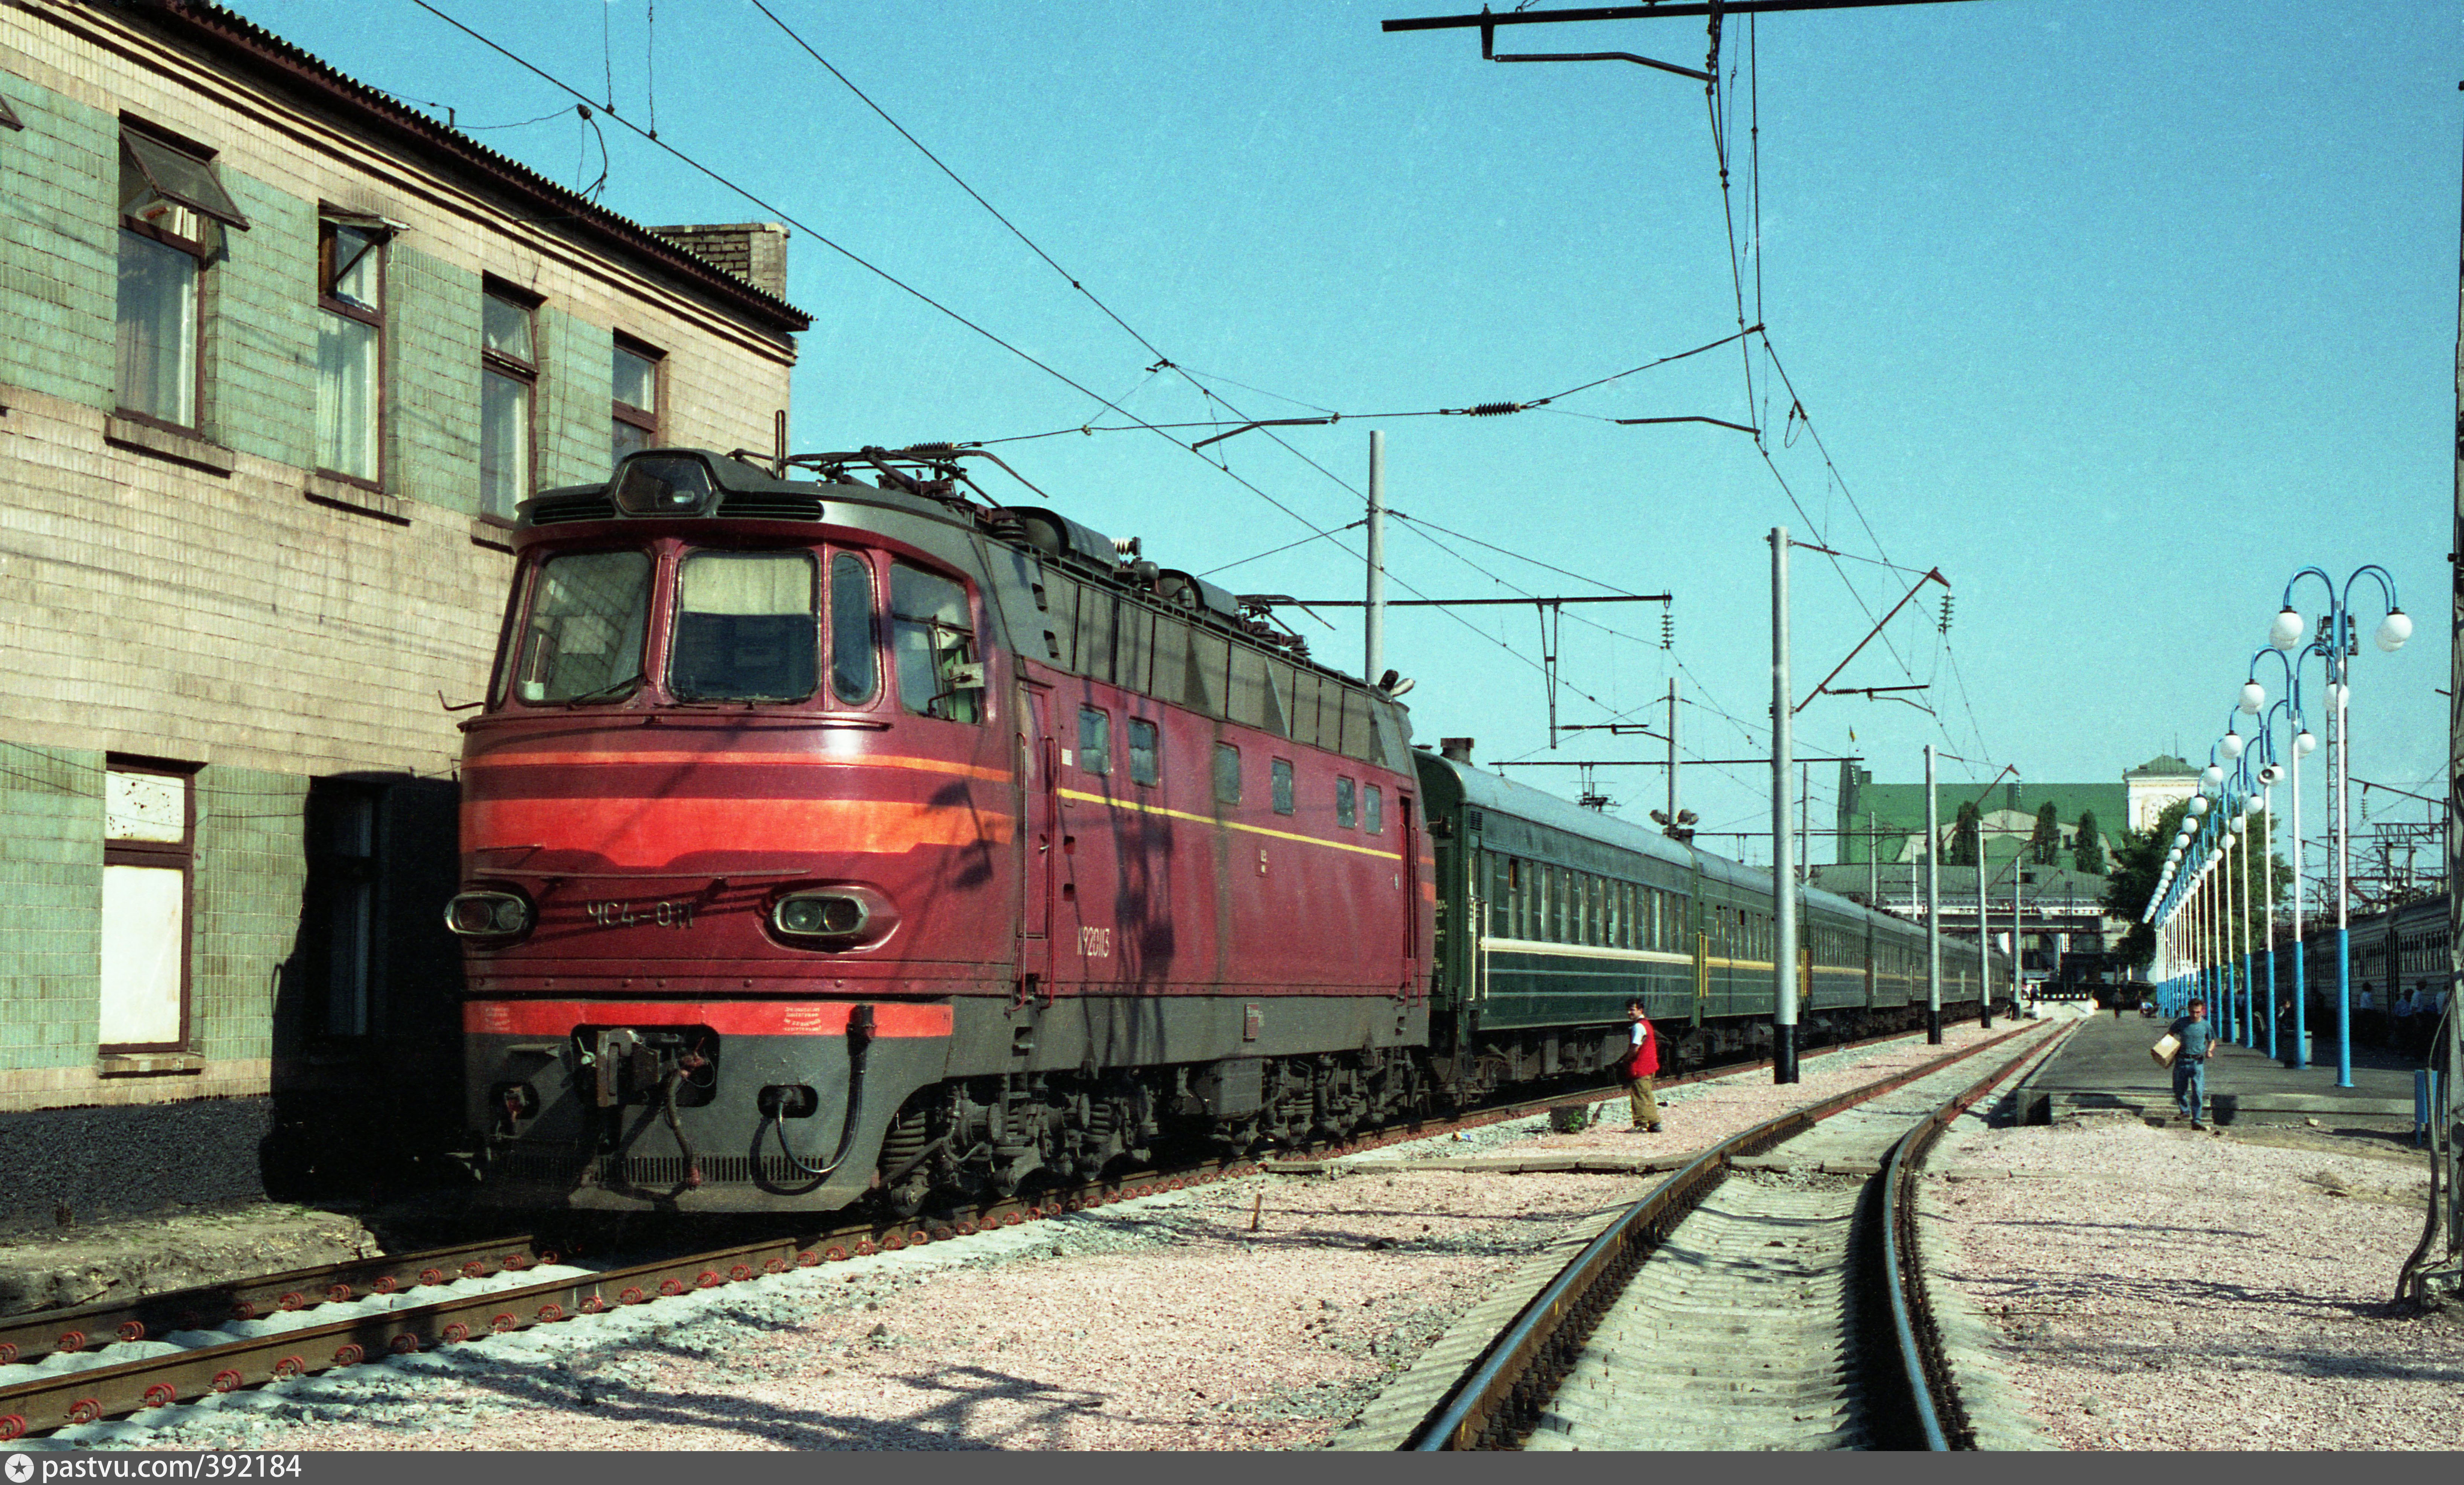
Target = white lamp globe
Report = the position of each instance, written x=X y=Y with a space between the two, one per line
x=2254 y=696
x=2251 y=804
x=2232 y=826
x=2199 y=801
x=2393 y=631
x=2230 y=744
x=2287 y=629
x=2210 y=776
x=2304 y=743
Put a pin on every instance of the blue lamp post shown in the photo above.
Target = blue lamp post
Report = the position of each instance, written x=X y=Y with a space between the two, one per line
x=2335 y=644
x=2286 y=766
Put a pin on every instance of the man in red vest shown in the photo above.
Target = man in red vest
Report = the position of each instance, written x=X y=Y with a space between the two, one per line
x=1640 y=1065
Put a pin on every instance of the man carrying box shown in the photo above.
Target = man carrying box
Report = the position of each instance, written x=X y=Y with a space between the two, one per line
x=2191 y=1062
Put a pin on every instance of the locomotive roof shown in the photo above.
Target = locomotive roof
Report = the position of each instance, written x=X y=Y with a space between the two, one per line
x=1487 y=791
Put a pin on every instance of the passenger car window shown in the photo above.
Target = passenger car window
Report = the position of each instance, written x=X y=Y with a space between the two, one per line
x=745 y=627
x=583 y=642
x=932 y=646
x=1146 y=765
x=1095 y=741
x=1345 y=811
x=855 y=671
x=1283 y=786
x=1227 y=774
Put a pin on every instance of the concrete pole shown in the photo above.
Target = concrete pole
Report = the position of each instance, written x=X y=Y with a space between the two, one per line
x=2339 y=746
x=1933 y=909
x=2249 y=961
x=2267 y=898
x=1783 y=844
x=2301 y=952
x=1984 y=937
x=1373 y=663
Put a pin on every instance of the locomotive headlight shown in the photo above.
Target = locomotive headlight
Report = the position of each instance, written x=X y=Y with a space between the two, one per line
x=820 y=915
x=487 y=915
x=663 y=484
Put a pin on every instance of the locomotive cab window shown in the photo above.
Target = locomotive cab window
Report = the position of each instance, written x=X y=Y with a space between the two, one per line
x=1283 y=768
x=855 y=674
x=932 y=644
x=584 y=641
x=1346 y=809
x=1227 y=774
x=1373 y=810
x=745 y=627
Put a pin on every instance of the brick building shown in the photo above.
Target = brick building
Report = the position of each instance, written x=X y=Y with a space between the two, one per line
x=277 y=357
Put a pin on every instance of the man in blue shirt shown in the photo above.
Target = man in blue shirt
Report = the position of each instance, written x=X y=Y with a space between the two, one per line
x=2191 y=1063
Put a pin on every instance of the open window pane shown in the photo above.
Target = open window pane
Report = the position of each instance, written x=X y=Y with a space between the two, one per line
x=346 y=395
x=932 y=645
x=178 y=176
x=584 y=639
x=505 y=330
x=157 y=341
x=746 y=628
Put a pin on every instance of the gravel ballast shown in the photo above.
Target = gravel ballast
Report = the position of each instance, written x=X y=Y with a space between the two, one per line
x=1254 y=1314
x=2158 y=1288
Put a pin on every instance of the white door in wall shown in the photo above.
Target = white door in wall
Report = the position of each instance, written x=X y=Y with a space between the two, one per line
x=144 y=928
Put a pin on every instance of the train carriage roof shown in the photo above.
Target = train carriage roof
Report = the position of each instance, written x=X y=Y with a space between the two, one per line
x=1482 y=789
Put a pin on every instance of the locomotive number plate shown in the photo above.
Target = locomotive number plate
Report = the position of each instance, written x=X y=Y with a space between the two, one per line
x=1095 y=943
x=631 y=914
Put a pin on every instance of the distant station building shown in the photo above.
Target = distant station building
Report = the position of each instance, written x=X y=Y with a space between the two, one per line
x=281 y=357
x=2047 y=865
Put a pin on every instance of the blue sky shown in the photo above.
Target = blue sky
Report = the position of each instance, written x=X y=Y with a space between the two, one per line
x=2116 y=315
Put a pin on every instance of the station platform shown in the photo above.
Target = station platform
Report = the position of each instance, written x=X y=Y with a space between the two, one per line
x=2105 y=1065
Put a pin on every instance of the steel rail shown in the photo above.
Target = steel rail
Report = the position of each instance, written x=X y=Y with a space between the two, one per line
x=63 y=1399
x=33 y=1336
x=1512 y=1377
x=1924 y=1372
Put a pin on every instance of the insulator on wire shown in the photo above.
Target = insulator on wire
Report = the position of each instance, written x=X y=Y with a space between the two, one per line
x=1492 y=409
x=1942 y=625
x=1668 y=628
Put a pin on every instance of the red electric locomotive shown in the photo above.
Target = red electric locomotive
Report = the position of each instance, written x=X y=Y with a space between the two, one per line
x=852 y=834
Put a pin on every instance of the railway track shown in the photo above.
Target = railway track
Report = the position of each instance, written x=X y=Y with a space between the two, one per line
x=384 y=1312
x=1759 y=1299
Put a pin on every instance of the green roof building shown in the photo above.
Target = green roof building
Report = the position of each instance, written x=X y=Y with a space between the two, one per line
x=1886 y=821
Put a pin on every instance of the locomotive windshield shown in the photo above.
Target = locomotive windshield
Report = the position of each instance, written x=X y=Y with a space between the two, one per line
x=745 y=627
x=584 y=638
x=930 y=640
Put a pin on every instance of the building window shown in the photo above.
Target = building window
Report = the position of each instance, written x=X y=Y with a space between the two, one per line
x=508 y=386
x=350 y=349
x=1227 y=774
x=1346 y=811
x=1095 y=741
x=1146 y=752
x=171 y=212
x=634 y=394
x=1283 y=770
x=149 y=843
x=1373 y=810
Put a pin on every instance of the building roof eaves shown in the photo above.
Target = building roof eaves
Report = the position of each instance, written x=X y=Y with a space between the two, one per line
x=216 y=29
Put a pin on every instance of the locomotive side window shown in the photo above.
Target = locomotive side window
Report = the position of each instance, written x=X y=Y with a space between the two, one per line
x=855 y=673
x=583 y=642
x=1373 y=810
x=1346 y=811
x=1227 y=774
x=1094 y=740
x=932 y=646
x=1146 y=759
x=1283 y=786
x=745 y=627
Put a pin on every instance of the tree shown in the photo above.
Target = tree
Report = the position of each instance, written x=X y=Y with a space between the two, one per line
x=1966 y=837
x=2045 y=842
x=2139 y=863
x=2088 y=852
